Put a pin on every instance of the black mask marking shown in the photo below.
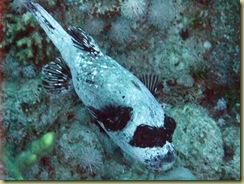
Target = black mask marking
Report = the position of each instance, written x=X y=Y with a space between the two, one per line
x=148 y=136
x=114 y=118
x=169 y=124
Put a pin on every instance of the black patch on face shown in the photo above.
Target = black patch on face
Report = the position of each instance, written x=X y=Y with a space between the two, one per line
x=148 y=136
x=136 y=85
x=114 y=118
x=169 y=124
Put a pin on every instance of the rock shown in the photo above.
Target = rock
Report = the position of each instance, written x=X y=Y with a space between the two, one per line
x=179 y=173
x=198 y=142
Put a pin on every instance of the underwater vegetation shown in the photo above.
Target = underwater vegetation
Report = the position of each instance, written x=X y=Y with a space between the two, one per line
x=23 y=39
x=193 y=46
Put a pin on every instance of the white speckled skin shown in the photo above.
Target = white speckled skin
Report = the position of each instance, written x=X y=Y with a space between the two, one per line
x=109 y=83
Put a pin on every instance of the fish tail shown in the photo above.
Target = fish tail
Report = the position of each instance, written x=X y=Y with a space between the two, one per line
x=53 y=29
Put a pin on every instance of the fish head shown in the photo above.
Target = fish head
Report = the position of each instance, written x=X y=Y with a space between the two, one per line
x=155 y=144
x=161 y=158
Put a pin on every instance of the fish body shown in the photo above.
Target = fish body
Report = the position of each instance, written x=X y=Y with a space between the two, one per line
x=122 y=105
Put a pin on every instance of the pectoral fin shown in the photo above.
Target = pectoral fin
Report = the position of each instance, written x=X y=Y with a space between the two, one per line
x=56 y=77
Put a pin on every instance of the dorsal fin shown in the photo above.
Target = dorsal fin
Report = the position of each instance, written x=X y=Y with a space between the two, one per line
x=152 y=82
x=84 y=41
x=56 y=77
x=114 y=118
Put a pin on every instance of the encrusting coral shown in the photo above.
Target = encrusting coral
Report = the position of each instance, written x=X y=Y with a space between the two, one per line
x=22 y=38
x=198 y=141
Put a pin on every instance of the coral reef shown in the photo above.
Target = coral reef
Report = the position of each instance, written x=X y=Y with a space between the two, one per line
x=133 y=9
x=221 y=105
x=198 y=141
x=231 y=137
x=193 y=46
x=81 y=149
x=161 y=14
x=22 y=38
x=120 y=30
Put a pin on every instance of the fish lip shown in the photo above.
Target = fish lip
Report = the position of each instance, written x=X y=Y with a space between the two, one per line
x=169 y=157
x=163 y=161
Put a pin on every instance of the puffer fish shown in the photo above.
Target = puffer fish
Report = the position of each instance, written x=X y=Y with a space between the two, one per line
x=122 y=105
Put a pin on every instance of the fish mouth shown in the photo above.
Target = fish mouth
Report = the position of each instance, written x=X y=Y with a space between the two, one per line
x=164 y=160
x=169 y=157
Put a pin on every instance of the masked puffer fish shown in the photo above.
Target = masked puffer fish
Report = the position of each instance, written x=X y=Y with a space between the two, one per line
x=122 y=105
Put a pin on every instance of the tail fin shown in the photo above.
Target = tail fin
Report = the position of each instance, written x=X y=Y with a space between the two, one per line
x=53 y=29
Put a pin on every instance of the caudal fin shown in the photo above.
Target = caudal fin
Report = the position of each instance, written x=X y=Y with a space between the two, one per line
x=53 y=29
